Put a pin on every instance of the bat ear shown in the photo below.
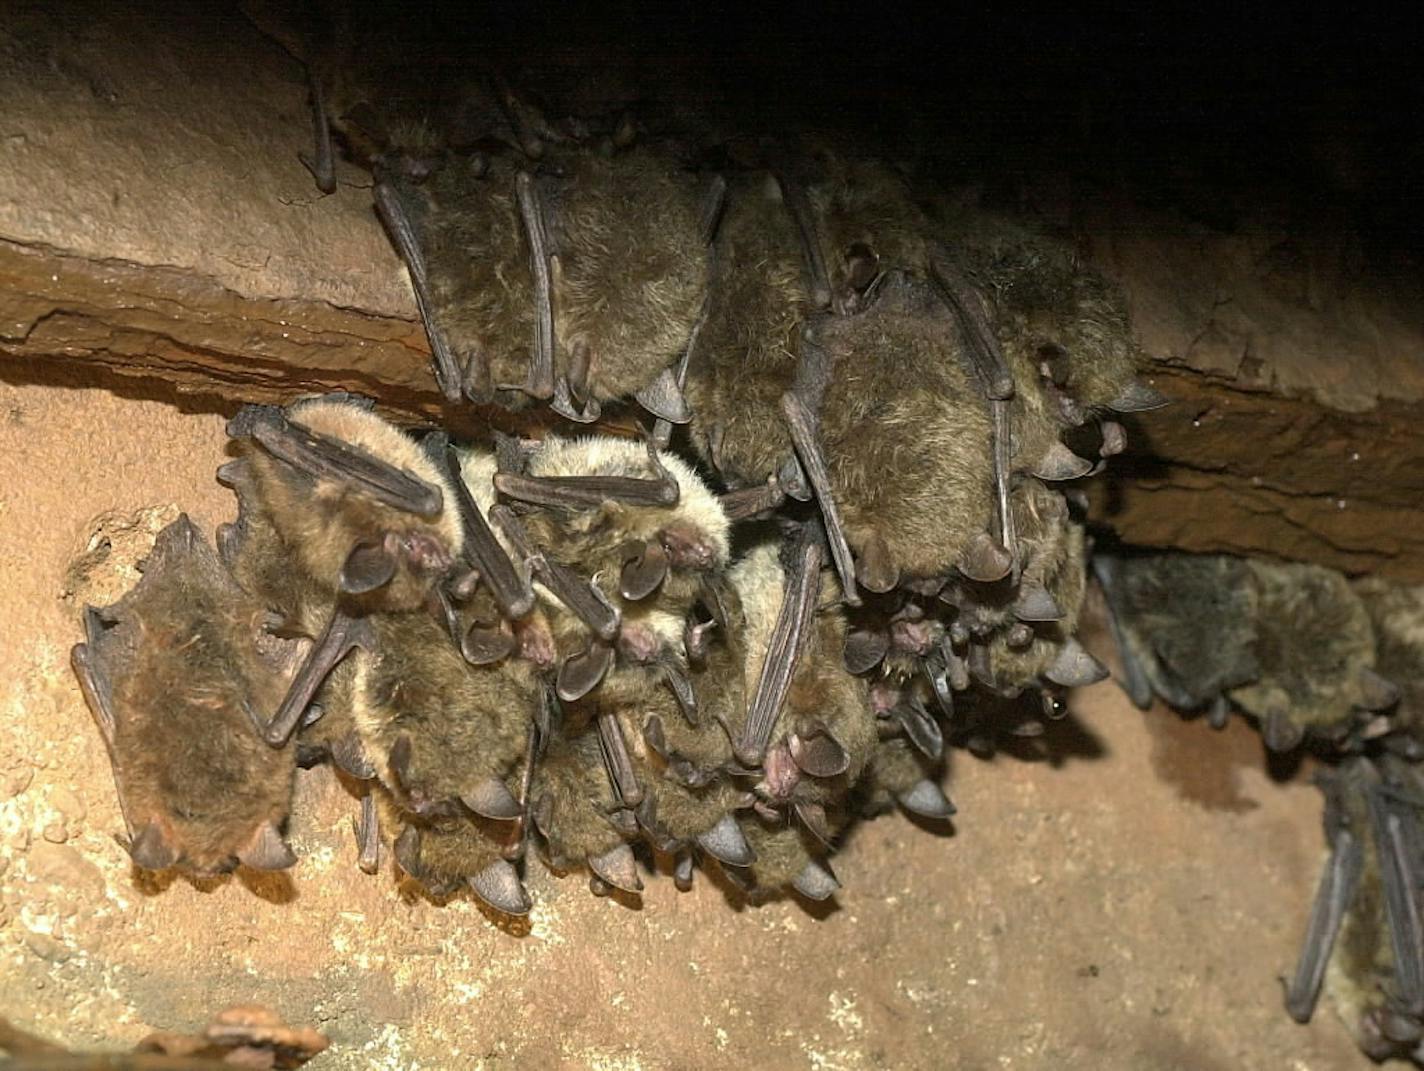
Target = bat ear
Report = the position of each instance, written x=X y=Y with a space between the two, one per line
x=499 y=886
x=726 y=843
x=151 y=850
x=875 y=569
x=819 y=754
x=267 y=850
x=644 y=570
x=1074 y=667
x=618 y=867
x=580 y=674
x=926 y=799
x=1377 y=692
x=1138 y=397
x=816 y=881
x=491 y=798
x=368 y=567
x=864 y=650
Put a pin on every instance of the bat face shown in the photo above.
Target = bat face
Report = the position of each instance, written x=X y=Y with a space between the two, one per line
x=173 y=675
x=370 y=517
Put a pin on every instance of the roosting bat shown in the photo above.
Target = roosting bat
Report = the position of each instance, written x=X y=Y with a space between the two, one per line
x=177 y=674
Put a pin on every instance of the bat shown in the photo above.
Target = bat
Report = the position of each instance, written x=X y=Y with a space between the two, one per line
x=369 y=520
x=1365 y=940
x=176 y=674
x=576 y=283
x=1291 y=645
x=807 y=729
x=639 y=522
x=1397 y=615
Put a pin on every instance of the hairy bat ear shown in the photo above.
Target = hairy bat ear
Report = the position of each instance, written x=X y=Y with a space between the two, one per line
x=368 y=567
x=618 y=867
x=267 y=850
x=1074 y=667
x=151 y=850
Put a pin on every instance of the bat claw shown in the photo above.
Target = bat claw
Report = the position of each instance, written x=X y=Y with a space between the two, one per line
x=816 y=881
x=1138 y=397
x=563 y=404
x=499 y=886
x=491 y=798
x=267 y=850
x=726 y=843
x=151 y=850
x=618 y=867
x=926 y=799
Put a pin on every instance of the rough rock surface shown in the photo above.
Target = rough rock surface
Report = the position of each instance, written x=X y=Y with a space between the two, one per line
x=1129 y=904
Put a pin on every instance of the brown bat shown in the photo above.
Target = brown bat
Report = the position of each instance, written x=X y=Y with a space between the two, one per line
x=1365 y=939
x=578 y=283
x=1397 y=614
x=808 y=730
x=639 y=523
x=1291 y=645
x=445 y=853
x=370 y=522
x=177 y=674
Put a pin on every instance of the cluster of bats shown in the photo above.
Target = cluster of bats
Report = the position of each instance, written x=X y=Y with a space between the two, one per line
x=767 y=501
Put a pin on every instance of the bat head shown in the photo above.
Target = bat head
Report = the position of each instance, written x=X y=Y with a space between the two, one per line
x=370 y=517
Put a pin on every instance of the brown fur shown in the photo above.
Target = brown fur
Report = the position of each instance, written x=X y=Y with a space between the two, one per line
x=905 y=435
x=895 y=767
x=632 y=264
x=1189 y=621
x=324 y=521
x=184 y=675
x=1313 y=636
x=1047 y=303
x=452 y=849
x=571 y=777
x=747 y=351
x=1397 y=613
x=478 y=263
x=465 y=723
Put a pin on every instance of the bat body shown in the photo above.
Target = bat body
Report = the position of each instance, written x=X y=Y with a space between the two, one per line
x=176 y=674
x=1397 y=614
x=1364 y=944
x=342 y=516
x=1291 y=645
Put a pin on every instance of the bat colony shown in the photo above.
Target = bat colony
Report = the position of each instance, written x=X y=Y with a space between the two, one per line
x=767 y=510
